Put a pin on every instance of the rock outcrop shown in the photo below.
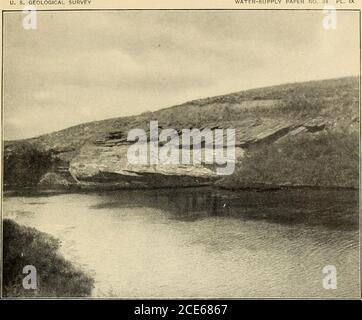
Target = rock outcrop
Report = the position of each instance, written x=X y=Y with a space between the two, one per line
x=105 y=161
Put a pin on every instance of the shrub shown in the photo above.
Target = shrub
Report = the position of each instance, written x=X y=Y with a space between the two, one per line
x=24 y=164
x=56 y=276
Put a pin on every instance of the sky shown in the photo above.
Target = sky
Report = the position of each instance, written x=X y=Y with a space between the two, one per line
x=83 y=66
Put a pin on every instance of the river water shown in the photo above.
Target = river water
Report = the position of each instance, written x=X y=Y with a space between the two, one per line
x=201 y=242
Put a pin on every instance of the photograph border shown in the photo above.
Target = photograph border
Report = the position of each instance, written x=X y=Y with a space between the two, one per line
x=6 y=11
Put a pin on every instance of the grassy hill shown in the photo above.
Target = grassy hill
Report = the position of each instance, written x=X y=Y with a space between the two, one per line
x=294 y=134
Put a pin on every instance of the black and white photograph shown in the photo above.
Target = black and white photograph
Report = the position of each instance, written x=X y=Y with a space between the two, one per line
x=180 y=153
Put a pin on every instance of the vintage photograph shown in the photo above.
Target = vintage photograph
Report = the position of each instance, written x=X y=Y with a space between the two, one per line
x=180 y=153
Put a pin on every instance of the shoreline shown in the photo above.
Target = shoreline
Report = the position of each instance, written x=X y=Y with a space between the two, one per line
x=56 y=191
x=55 y=276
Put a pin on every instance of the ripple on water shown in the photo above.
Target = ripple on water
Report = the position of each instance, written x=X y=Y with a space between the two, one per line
x=169 y=243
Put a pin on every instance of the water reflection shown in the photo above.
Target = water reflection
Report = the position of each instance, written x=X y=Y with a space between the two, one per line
x=203 y=242
x=334 y=209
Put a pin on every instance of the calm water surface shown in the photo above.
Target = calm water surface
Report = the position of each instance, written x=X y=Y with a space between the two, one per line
x=202 y=242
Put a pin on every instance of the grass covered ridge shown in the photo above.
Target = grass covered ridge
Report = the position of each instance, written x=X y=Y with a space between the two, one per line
x=325 y=159
x=56 y=277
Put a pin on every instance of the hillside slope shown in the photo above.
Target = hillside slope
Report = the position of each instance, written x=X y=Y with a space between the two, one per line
x=294 y=134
